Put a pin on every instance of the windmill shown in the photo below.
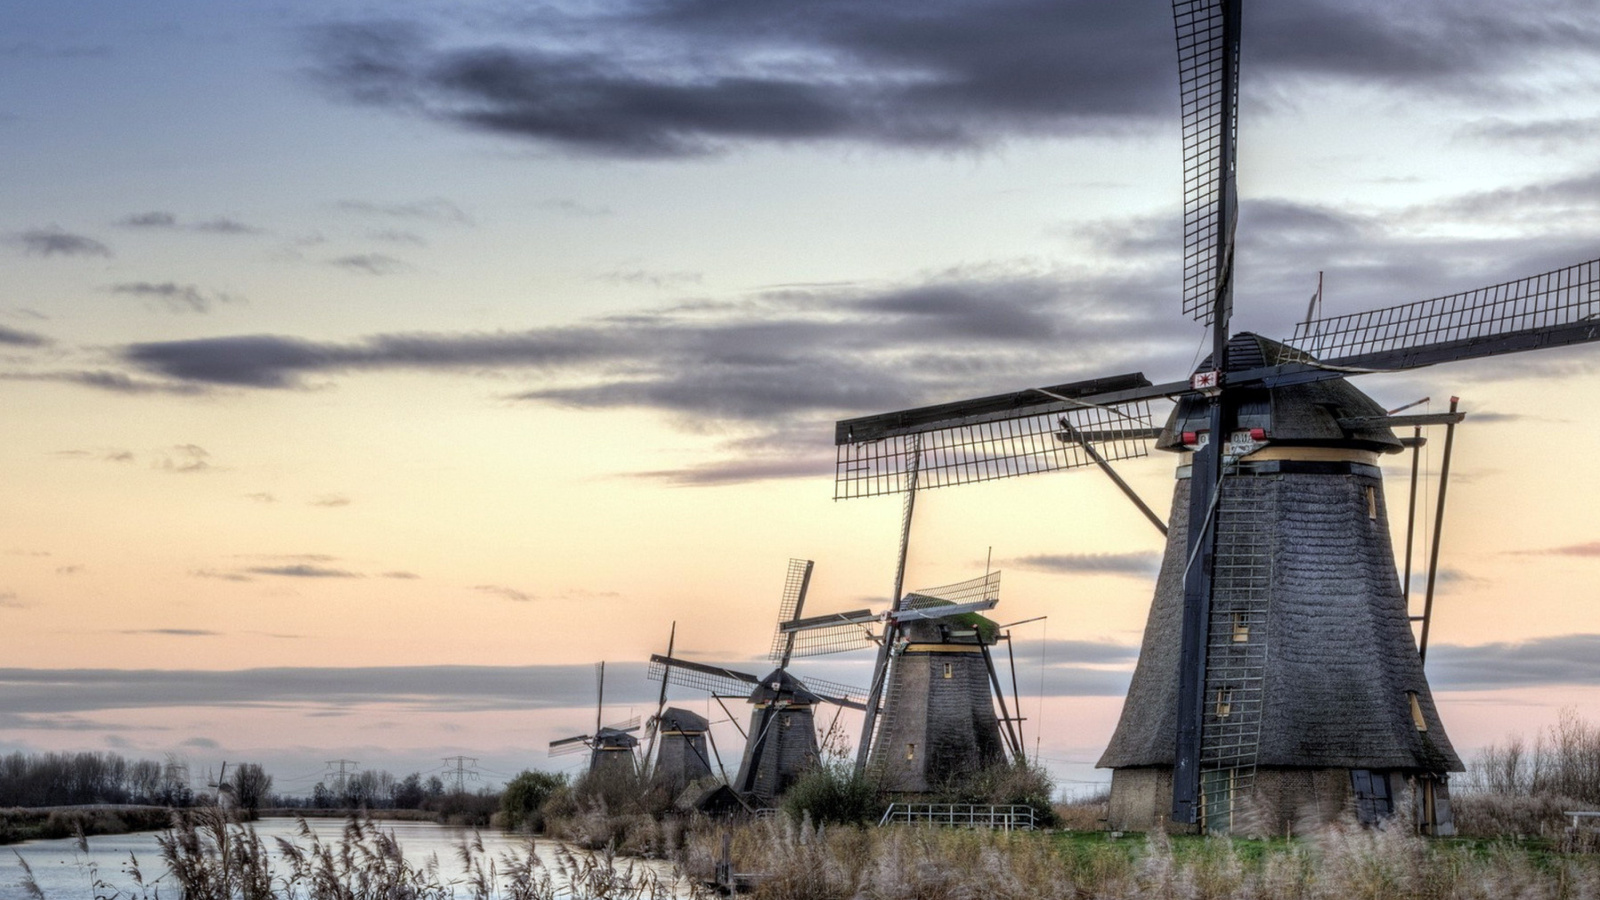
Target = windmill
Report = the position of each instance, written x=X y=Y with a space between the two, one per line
x=782 y=740
x=682 y=758
x=610 y=746
x=936 y=721
x=1279 y=534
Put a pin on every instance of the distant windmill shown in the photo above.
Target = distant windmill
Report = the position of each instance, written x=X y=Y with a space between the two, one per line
x=684 y=756
x=781 y=741
x=1278 y=675
x=610 y=746
x=937 y=680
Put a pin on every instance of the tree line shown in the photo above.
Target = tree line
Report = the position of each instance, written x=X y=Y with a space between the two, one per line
x=72 y=779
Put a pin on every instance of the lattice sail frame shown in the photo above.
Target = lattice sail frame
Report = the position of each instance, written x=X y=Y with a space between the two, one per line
x=1210 y=134
x=715 y=681
x=840 y=638
x=833 y=690
x=992 y=449
x=1563 y=297
x=984 y=588
x=794 y=582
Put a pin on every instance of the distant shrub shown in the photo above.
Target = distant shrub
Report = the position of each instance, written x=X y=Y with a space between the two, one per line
x=522 y=802
x=833 y=793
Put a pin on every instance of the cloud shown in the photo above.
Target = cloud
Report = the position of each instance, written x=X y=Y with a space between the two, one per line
x=400 y=575
x=1590 y=550
x=153 y=219
x=331 y=500
x=201 y=743
x=436 y=210
x=69 y=570
x=1560 y=659
x=369 y=263
x=661 y=79
x=8 y=600
x=104 y=380
x=221 y=576
x=178 y=298
x=647 y=278
x=506 y=592
x=174 y=632
x=1138 y=564
x=451 y=689
x=11 y=337
x=55 y=242
x=261 y=497
x=1546 y=135
x=302 y=570
x=157 y=220
x=185 y=459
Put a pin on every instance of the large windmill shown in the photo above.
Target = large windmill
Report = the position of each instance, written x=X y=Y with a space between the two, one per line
x=1279 y=535
x=936 y=722
x=611 y=746
x=781 y=741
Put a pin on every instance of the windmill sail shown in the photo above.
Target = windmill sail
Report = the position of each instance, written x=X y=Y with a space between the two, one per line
x=1547 y=310
x=1208 y=71
x=993 y=437
x=714 y=680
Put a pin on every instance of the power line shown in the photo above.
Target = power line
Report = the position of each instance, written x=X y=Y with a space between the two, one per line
x=461 y=768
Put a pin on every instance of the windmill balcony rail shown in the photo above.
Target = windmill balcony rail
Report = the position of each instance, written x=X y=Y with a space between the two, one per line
x=960 y=815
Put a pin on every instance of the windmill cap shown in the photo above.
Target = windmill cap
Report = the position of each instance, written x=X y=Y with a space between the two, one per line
x=781 y=686
x=1296 y=414
x=675 y=719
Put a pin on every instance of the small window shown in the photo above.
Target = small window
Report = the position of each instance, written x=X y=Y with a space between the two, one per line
x=1241 y=628
x=911 y=751
x=1417 y=718
x=1224 y=702
x=1372 y=502
x=949 y=670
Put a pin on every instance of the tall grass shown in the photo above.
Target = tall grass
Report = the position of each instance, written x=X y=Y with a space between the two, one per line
x=796 y=861
x=210 y=856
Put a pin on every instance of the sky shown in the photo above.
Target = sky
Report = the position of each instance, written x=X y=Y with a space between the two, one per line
x=376 y=369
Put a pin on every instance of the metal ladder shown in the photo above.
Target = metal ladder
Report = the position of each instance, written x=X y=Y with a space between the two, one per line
x=889 y=712
x=1236 y=647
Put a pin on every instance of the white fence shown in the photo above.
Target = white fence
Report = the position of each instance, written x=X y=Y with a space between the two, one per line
x=960 y=815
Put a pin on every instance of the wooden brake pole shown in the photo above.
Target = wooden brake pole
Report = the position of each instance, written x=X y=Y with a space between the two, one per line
x=1438 y=528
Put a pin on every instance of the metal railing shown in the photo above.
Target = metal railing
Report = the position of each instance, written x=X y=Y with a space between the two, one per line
x=961 y=815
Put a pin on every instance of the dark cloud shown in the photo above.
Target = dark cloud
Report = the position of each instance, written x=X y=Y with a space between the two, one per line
x=508 y=593
x=69 y=570
x=57 y=692
x=331 y=500
x=401 y=575
x=369 y=263
x=174 y=297
x=782 y=353
x=1562 y=659
x=647 y=278
x=55 y=242
x=743 y=471
x=675 y=78
x=201 y=743
x=1140 y=564
x=261 y=497
x=302 y=570
x=11 y=337
x=174 y=632
x=8 y=600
